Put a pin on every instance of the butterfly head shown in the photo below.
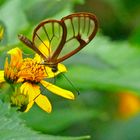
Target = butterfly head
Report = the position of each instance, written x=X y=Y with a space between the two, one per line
x=54 y=67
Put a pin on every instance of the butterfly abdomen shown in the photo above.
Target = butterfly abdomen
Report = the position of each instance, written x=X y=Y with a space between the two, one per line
x=25 y=40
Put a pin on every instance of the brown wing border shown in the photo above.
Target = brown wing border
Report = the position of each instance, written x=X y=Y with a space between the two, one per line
x=53 y=59
x=62 y=42
x=83 y=43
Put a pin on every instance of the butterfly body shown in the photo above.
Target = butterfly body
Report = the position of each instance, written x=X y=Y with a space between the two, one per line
x=62 y=38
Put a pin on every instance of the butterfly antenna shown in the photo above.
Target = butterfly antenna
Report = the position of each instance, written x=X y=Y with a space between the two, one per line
x=78 y=92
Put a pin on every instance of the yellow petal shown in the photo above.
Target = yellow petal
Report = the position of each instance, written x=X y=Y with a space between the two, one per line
x=38 y=58
x=43 y=102
x=16 y=56
x=45 y=49
x=2 y=76
x=61 y=68
x=57 y=90
x=29 y=106
x=31 y=90
x=20 y=80
x=13 y=51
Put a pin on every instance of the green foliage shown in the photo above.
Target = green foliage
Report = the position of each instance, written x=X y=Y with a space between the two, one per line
x=58 y=121
x=122 y=130
x=13 y=128
x=101 y=69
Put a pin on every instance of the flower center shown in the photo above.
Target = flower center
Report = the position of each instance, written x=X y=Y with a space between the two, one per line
x=31 y=71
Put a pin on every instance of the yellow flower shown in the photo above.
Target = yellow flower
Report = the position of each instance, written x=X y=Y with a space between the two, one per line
x=129 y=104
x=10 y=73
x=30 y=73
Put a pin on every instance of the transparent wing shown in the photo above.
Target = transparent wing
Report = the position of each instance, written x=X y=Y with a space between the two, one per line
x=62 y=39
x=49 y=34
x=81 y=29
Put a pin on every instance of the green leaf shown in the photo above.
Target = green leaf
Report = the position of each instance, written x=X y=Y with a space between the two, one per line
x=121 y=129
x=58 y=120
x=2 y=2
x=19 y=15
x=12 y=127
x=11 y=14
x=134 y=38
x=48 y=8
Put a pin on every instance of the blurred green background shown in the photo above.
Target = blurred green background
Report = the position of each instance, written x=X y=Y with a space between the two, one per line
x=106 y=72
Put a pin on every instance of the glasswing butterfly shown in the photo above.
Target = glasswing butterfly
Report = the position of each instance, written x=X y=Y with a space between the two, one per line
x=64 y=37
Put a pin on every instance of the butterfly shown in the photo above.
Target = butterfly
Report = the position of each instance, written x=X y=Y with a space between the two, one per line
x=64 y=37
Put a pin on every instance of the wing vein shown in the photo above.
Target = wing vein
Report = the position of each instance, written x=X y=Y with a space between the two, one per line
x=88 y=27
x=46 y=33
x=43 y=43
x=84 y=25
x=78 y=25
x=72 y=27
